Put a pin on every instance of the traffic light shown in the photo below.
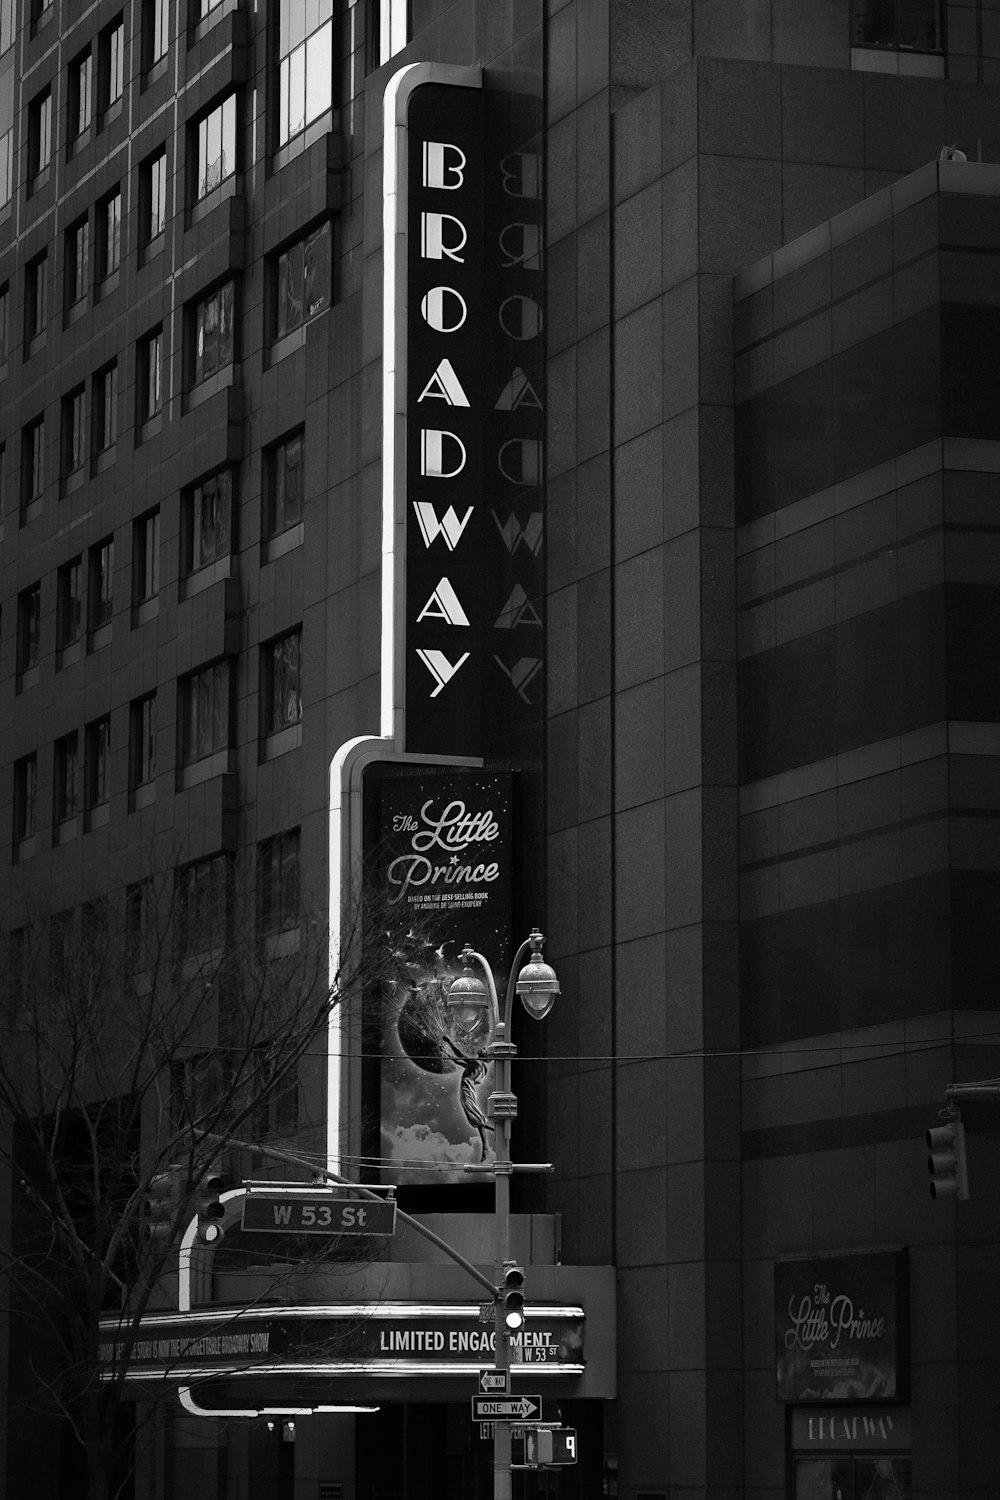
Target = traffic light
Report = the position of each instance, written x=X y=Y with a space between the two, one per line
x=513 y=1297
x=210 y=1210
x=549 y=1445
x=159 y=1209
x=946 y=1160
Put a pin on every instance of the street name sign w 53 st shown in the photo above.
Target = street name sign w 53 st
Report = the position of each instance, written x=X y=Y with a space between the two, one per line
x=322 y=1214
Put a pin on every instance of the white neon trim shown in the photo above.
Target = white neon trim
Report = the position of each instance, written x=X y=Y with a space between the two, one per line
x=385 y=1370
x=184 y=1258
x=219 y=1311
x=391 y=732
x=190 y=1404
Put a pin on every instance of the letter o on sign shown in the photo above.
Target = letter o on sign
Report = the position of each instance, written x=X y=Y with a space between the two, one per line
x=444 y=309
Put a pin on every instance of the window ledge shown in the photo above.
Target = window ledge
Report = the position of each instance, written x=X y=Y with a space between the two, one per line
x=143 y=795
x=78 y=142
x=67 y=830
x=153 y=249
x=204 y=206
x=211 y=386
x=281 y=348
x=35 y=345
x=99 y=816
x=206 y=576
x=205 y=770
x=155 y=71
x=27 y=679
x=113 y=111
x=150 y=428
x=902 y=63
x=100 y=637
x=76 y=311
x=31 y=511
x=282 y=944
x=322 y=125
x=209 y=22
x=69 y=655
x=281 y=742
x=145 y=611
x=74 y=481
x=104 y=459
x=39 y=180
x=285 y=541
x=24 y=848
x=108 y=285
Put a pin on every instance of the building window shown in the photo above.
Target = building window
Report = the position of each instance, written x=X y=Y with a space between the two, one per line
x=303 y=281
x=77 y=260
x=305 y=64
x=281 y=682
x=41 y=10
x=25 y=798
x=206 y=7
x=903 y=25
x=203 y=904
x=97 y=763
x=284 y=475
x=6 y=160
x=35 y=297
x=106 y=408
x=29 y=627
x=34 y=463
x=69 y=604
x=278 y=885
x=206 y=712
x=112 y=65
x=208 y=515
x=109 y=234
x=66 y=778
x=74 y=431
x=146 y=557
x=154 y=196
x=39 y=133
x=150 y=375
x=216 y=147
x=102 y=572
x=4 y=316
x=155 y=31
x=81 y=72
x=8 y=24
x=143 y=741
x=213 y=331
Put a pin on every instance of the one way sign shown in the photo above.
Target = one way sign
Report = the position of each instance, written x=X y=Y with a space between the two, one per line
x=505 y=1408
x=491 y=1382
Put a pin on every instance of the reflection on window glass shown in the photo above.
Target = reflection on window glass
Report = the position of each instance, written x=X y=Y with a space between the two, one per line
x=303 y=280
x=214 y=332
x=286 y=483
x=210 y=521
x=305 y=69
x=217 y=146
x=904 y=25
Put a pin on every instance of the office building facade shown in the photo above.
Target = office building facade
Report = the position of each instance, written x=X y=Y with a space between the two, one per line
x=737 y=457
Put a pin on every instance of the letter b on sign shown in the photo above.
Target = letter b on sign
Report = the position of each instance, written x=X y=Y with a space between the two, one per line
x=444 y=165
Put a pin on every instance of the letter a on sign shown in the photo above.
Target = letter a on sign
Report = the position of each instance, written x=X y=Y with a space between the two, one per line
x=444 y=385
x=444 y=605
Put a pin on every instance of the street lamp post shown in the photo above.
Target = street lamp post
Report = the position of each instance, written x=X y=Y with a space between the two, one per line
x=472 y=1005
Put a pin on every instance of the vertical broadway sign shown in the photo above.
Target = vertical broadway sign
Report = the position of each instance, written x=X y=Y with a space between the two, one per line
x=445 y=518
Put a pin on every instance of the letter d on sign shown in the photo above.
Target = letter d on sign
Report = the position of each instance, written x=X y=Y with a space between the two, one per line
x=432 y=453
